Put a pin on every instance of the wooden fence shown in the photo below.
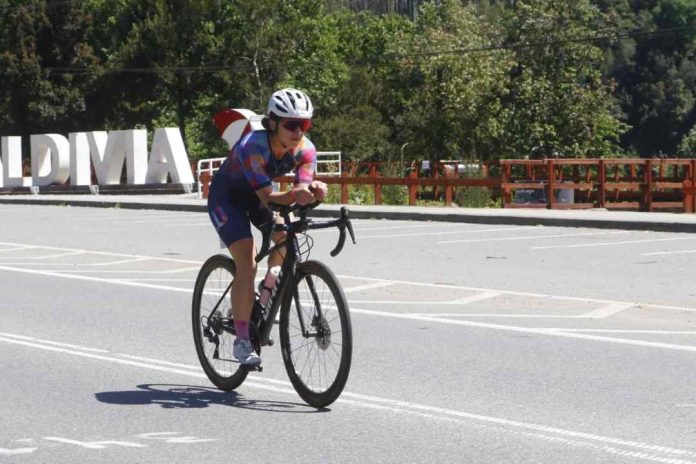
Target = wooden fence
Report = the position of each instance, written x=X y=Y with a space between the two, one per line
x=635 y=183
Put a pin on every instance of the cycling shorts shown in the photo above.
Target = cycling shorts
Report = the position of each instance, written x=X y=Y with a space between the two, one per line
x=232 y=211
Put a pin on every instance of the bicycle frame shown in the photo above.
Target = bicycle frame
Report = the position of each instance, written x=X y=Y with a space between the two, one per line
x=288 y=274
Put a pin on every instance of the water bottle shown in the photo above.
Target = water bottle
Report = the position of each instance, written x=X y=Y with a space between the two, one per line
x=268 y=285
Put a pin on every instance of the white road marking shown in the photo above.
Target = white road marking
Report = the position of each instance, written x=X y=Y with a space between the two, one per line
x=66 y=345
x=627 y=331
x=25 y=247
x=607 y=311
x=104 y=253
x=501 y=316
x=122 y=261
x=96 y=444
x=421 y=318
x=626 y=242
x=55 y=255
x=659 y=253
x=531 y=237
x=396 y=315
x=434 y=225
x=518 y=293
x=423 y=234
x=367 y=287
x=530 y=330
x=575 y=438
x=193 y=224
x=477 y=297
x=458 y=302
x=120 y=271
x=16 y=451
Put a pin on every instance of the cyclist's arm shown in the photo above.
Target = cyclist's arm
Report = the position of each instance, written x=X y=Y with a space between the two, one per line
x=299 y=194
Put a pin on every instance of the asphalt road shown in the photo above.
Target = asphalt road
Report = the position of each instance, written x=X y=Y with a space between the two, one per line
x=472 y=343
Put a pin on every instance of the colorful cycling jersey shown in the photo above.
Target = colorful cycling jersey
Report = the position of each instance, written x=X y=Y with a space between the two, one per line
x=251 y=164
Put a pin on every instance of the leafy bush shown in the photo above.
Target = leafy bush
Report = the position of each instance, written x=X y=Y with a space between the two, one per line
x=474 y=197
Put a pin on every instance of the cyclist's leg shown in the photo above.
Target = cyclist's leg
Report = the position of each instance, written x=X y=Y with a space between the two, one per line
x=232 y=223
x=243 y=253
x=261 y=217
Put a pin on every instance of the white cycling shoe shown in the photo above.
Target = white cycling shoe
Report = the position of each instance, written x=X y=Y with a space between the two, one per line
x=245 y=353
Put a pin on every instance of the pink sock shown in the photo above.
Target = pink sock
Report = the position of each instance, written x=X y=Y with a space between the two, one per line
x=242 y=329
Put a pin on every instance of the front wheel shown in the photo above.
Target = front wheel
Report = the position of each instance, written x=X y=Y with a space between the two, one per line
x=213 y=327
x=316 y=335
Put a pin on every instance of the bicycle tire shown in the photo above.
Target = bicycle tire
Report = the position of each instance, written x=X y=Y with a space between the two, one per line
x=212 y=281
x=318 y=388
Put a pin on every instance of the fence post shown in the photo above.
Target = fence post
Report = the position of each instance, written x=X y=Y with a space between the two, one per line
x=378 y=187
x=551 y=171
x=688 y=197
x=602 y=174
x=506 y=191
x=205 y=183
x=344 y=187
x=413 y=189
x=448 y=188
x=648 y=186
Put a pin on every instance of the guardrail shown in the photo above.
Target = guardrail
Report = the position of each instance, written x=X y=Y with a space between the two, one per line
x=629 y=183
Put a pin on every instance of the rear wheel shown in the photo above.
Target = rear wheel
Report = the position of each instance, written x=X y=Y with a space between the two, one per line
x=213 y=327
x=315 y=334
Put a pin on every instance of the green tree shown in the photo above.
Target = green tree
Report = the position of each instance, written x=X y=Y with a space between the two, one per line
x=654 y=67
x=164 y=67
x=558 y=102
x=454 y=95
x=47 y=65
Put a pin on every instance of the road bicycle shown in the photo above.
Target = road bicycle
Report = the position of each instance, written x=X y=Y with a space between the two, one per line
x=315 y=329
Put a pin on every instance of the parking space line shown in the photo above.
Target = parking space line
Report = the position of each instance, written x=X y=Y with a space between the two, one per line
x=500 y=315
x=478 y=297
x=23 y=247
x=607 y=311
x=122 y=261
x=530 y=330
x=658 y=253
x=120 y=271
x=56 y=255
x=510 y=292
x=367 y=286
x=103 y=253
x=532 y=237
x=626 y=242
x=450 y=232
x=627 y=331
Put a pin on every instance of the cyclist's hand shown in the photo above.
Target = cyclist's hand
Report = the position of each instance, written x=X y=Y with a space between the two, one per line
x=303 y=196
x=319 y=189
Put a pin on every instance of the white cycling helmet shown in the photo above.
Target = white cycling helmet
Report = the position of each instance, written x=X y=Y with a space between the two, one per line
x=290 y=103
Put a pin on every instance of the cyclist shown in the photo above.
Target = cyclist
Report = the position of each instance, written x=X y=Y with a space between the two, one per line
x=241 y=190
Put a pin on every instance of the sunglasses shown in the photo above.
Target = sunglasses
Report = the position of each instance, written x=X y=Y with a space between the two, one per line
x=293 y=124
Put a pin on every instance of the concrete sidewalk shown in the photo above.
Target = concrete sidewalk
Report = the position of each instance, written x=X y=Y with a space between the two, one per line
x=595 y=218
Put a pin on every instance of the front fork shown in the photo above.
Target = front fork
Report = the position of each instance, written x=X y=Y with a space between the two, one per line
x=317 y=318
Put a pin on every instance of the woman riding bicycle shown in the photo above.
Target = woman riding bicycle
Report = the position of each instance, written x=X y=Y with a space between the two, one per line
x=241 y=190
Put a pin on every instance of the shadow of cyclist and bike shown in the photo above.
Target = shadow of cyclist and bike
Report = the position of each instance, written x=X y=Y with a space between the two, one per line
x=190 y=396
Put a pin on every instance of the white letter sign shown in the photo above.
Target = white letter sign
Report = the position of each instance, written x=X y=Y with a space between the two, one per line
x=168 y=156
x=12 y=164
x=50 y=159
